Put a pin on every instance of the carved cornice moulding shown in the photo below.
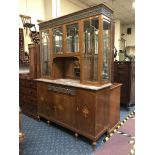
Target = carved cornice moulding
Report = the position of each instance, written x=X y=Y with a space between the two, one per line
x=96 y=10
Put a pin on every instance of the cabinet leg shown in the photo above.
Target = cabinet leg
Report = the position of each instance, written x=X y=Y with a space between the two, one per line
x=48 y=122
x=94 y=145
x=76 y=135
x=38 y=118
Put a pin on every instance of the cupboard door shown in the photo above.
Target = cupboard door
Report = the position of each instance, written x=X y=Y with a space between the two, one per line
x=43 y=108
x=61 y=107
x=85 y=112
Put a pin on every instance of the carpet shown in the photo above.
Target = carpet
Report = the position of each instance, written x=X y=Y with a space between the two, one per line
x=41 y=139
x=121 y=140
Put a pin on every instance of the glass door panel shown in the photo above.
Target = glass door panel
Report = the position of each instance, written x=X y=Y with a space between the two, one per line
x=57 y=40
x=106 y=50
x=72 y=38
x=90 y=52
x=45 y=55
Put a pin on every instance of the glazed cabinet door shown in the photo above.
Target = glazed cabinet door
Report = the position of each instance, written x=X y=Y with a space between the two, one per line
x=43 y=108
x=85 y=112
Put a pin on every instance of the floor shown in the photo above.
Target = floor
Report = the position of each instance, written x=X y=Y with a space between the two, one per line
x=41 y=139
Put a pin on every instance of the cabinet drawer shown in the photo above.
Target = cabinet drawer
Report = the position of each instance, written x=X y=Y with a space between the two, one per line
x=21 y=83
x=123 y=74
x=31 y=100
x=30 y=92
x=23 y=98
x=30 y=84
x=122 y=65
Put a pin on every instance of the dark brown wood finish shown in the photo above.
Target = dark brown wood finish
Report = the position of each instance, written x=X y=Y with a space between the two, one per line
x=28 y=96
x=124 y=72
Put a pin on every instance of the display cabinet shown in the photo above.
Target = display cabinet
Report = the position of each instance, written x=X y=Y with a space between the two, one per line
x=75 y=88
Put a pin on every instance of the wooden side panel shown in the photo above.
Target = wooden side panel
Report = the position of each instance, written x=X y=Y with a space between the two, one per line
x=114 y=105
x=102 y=111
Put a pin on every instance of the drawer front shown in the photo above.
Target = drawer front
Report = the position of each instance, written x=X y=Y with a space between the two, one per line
x=122 y=65
x=21 y=83
x=123 y=74
x=31 y=84
x=31 y=100
x=30 y=92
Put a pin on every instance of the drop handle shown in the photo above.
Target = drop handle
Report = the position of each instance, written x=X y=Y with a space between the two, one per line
x=77 y=108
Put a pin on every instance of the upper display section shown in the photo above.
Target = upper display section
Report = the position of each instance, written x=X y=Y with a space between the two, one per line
x=78 y=46
x=93 y=11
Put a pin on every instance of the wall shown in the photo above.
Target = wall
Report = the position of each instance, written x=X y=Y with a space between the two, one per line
x=70 y=6
x=48 y=9
x=117 y=35
x=130 y=38
x=34 y=9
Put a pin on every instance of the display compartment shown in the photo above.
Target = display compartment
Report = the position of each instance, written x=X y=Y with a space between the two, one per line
x=67 y=68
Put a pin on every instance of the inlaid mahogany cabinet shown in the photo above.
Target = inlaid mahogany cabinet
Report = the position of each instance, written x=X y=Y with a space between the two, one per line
x=74 y=89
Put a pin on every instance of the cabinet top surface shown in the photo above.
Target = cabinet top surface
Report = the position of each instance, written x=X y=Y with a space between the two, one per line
x=74 y=83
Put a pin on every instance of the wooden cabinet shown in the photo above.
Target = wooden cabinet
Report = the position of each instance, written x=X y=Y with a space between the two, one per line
x=78 y=47
x=124 y=72
x=28 y=96
x=76 y=71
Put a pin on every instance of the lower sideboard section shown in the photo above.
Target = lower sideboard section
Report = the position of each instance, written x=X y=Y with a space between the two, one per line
x=83 y=111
